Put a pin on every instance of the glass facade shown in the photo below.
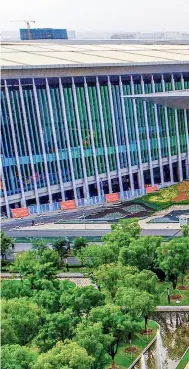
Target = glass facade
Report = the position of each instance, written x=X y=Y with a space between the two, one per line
x=35 y=143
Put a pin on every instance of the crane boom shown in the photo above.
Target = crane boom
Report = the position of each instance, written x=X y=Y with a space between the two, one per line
x=28 y=26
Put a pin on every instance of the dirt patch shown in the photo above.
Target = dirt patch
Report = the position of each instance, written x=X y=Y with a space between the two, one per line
x=176 y=297
x=183 y=288
x=145 y=333
x=131 y=349
x=182 y=196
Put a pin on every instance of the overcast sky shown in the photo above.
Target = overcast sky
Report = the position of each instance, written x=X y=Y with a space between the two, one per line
x=98 y=15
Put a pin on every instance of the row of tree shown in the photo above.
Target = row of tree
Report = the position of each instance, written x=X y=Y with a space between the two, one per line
x=125 y=247
x=49 y=323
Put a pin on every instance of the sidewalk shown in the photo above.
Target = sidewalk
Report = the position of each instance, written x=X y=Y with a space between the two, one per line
x=64 y=226
x=145 y=225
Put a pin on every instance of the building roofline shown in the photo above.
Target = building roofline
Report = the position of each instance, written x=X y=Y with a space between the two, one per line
x=92 y=65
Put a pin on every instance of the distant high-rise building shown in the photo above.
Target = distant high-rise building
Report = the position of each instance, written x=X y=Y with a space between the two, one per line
x=44 y=34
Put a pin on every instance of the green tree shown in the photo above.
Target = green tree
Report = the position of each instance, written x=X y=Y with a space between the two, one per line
x=15 y=288
x=59 y=245
x=93 y=255
x=138 y=304
x=36 y=265
x=24 y=264
x=84 y=299
x=79 y=243
x=121 y=235
x=18 y=357
x=111 y=276
x=91 y=337
x=5 y=244
x=128 y=226
x=39 y=245
x=185 y=230
x=20 y=320
x=173 y=258
x=57 y=327
x=49 y=300
x=115 y=323
x=141 y=253
x=145 y=280
x=67 y=355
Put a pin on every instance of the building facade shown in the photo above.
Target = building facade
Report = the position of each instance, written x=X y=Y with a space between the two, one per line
x=44 y=33
x=73 y=137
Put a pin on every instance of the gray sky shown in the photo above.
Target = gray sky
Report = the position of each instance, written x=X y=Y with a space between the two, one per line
x=98 y=15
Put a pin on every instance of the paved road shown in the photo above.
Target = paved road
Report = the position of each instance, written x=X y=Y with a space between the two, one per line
x=58 y=233
x=61 y=275
x=49 y=217
x=87 y=232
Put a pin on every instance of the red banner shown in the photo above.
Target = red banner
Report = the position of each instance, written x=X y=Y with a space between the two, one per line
x=66 y=205
x=20 y=212
x=151 y=189
x=111 y=197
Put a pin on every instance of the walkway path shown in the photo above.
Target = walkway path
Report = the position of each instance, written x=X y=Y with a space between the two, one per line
x=172 y=308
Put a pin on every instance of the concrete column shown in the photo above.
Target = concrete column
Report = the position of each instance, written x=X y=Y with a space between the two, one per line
x=168 y=136
x=28 y=142
x=147 y=135
x=187 y=135
x=137 y=135
x=103 y=135
x=158 y=136
x=92 y=136
x=42 y=141
x=178 y=137
x=68 y=139
x=5 y=190
x=126 y=135
x=86 y=187
x=15 y=144
x=55 y=140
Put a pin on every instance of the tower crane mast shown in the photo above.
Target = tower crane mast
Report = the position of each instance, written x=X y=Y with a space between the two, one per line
x=28 y=26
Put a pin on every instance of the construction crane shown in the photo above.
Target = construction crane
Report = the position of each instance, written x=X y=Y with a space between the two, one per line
x=28 y=26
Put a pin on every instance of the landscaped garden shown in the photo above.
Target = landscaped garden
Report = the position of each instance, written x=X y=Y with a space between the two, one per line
x=172 y=195
x=53 y=323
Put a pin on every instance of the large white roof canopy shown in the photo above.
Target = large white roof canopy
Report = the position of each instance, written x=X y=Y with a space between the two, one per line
x=43 y=54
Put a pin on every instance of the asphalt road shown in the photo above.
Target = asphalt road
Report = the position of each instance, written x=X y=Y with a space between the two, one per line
x=87 y=232
x=8 y=224
x=47 y=218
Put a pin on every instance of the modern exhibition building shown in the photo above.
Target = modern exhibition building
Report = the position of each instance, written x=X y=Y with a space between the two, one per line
x=69 y=134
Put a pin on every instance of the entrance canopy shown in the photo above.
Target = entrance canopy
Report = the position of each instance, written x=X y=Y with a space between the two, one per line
x=178 y=99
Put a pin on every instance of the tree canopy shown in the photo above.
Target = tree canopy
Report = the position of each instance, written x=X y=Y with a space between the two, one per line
x=67 y=355
x=141 y=253
x=173 y=258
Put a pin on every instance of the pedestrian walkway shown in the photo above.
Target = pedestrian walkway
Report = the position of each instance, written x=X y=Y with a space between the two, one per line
x=172 y=308
x=67 y=226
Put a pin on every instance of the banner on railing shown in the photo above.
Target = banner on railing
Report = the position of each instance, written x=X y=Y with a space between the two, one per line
x=111 y=197
x=66 y=205
x=151 y=189
x=20 y=212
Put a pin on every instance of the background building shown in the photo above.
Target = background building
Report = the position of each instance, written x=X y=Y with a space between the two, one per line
x=43 y=33
x=68 y=134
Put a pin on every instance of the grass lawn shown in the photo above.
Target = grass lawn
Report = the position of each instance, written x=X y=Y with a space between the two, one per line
x=123 y=359
x=184 y=293
x=184 y=361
